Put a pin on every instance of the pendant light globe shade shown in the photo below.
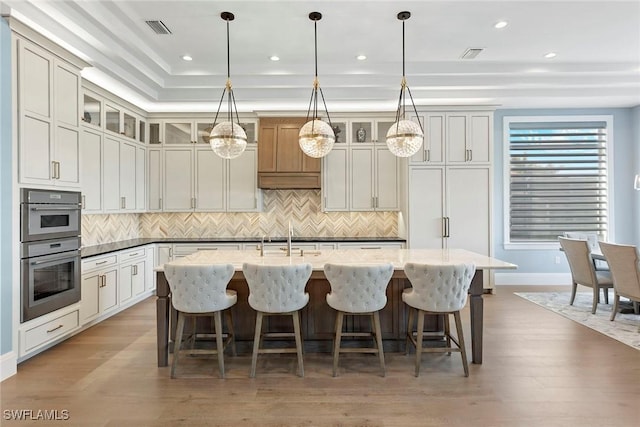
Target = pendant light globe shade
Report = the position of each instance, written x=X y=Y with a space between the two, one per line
x=228 y=140
x=316 y=138
x=404 y=138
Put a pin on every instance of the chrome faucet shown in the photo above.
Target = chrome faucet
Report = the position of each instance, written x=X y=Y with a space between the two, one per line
x=289 y=236
x=262 y=245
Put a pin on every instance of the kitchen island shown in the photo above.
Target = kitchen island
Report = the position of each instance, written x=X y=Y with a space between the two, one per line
x=317 y=316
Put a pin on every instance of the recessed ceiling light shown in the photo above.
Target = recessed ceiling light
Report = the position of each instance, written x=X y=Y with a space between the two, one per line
x=550 y=55
x=274 y=58
x=187 y=58
x=361 y=57
x=500 y=24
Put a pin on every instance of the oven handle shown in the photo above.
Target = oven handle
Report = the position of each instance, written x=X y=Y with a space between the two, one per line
x=65 y=256
x=57 y=208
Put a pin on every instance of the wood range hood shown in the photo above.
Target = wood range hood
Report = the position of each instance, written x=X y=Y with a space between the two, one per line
x=281 y=162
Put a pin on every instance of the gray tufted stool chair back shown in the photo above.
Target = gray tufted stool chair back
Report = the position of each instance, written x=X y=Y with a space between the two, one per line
x=437 y=289
x=277 y=290
x=358 y=290
x=201 y=290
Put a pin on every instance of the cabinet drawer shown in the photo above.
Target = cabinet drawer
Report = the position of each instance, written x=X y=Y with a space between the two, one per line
x=98 y=262
x=39 y=335
x=132 y=254
x=181 y=250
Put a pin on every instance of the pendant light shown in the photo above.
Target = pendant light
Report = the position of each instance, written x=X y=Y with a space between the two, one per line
x=316 y=137
x=228 y=139
x=404 y=138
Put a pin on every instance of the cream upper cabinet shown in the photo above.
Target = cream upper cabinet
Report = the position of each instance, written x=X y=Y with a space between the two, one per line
x=123 y=176
x=374 y=179
x=91 y=168
x=469 y=137
x=154 y=179
x=48 y=117
x=335 y=179
x=432 y=150
x=199 y=180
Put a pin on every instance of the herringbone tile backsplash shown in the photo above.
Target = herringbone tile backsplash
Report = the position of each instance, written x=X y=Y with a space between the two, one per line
x=301 y=207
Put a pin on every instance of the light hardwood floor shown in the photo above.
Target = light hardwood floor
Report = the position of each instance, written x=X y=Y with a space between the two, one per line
x=539 y=369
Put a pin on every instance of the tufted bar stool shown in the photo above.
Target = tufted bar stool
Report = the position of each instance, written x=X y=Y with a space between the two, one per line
x=277 y=290
x=358 y=290
x=437 y=289
x=201 y=290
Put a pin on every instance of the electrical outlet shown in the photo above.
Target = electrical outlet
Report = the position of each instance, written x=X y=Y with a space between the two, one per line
x=557 y=259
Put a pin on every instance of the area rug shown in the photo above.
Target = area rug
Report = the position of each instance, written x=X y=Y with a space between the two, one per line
x=625 y=328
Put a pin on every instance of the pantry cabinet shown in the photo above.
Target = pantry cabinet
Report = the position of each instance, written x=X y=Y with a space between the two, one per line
x=48 y=94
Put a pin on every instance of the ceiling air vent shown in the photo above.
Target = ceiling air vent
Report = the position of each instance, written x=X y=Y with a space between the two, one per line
x=158 y=27
x=471 y=52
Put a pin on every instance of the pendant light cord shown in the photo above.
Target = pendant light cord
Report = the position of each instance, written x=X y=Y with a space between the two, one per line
x=316 y=84
x=401 y=112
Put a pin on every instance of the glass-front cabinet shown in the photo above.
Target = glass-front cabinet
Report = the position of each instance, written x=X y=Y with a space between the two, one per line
x=129 y=125
x=92 y=111
x=173 y=132
x=112 y=118
x=365 y=131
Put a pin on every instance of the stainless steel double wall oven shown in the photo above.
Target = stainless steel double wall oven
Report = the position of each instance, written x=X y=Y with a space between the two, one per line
x=50 y=250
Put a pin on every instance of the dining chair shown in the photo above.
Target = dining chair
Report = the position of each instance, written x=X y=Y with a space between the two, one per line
x=441 y=290
x=592 y=240
x=623 y=262
x=201 y=290
x=358 y=290
x=583 y=272
x=277 y=290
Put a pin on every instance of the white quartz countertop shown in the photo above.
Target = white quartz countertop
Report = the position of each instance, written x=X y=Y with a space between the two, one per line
x=397 y=257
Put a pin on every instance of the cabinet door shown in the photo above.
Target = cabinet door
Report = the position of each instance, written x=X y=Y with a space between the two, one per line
x=35 y=85
x=335 y=180
x=178 y=133
x=66 y=95
x=89 y=304
x=361 y=178
x=243 y=194
x=154 y=181
x=387 y=183
x=209 y=180
x=111 y=175
x=178 y=180
x=426 y=207
x=432 y=150
x=480 y=137
x=126 y=282
x=91 y=171
x=127 y=176
x=457 y=145
x=141 y=172
x=469 y=208
x=267 y=161
x=149 y=274
x=108 y=296
x=35 y=151
x=67 y=154
x=138 y=277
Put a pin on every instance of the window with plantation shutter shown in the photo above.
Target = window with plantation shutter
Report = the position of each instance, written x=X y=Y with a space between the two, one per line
x=557 y=177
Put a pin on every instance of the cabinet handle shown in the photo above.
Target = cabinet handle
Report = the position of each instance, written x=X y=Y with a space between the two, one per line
x=102 y=262
x=470 y=155
x=170 y=253
x=58 y=170
x=134 y=270
x=193 y=202
x=444 y=226
x=448 y=229
x=135 y=254
x=101 y=281
x=123 y=202
x=160 y=202
x=428 y=153
x=54 y=329
x=83 y=202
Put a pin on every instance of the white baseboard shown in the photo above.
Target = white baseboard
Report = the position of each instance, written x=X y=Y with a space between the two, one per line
x=543 y=279
x=8 y=365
